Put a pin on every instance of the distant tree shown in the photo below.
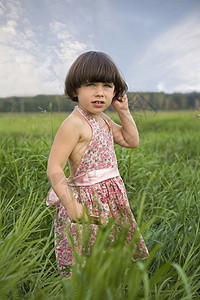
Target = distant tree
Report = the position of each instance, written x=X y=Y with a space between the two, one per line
x=137 y=101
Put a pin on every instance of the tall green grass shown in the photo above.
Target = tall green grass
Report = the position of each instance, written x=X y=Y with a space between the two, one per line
x=162 y=182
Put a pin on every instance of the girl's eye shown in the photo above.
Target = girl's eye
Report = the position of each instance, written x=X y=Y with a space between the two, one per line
x=92 y=84
x=108 y=85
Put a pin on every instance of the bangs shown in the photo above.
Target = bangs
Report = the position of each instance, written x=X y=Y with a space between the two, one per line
x=96 y=68
x=98 y=71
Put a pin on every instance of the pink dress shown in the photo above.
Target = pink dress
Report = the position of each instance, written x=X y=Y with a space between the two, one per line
x=98 y=185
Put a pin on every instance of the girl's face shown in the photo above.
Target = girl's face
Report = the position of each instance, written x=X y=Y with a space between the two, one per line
x=95 y=97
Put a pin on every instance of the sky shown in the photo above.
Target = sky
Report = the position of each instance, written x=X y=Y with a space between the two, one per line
x=154 y=43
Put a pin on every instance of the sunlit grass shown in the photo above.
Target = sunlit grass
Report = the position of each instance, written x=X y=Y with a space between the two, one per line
x=162 y=180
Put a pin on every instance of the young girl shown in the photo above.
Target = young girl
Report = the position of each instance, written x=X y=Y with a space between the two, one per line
x=95 y=192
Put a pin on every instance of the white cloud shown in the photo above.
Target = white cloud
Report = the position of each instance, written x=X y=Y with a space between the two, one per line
x=161 y=86
x=175 y=57
x=29 y=67
x=67 y=47
x=8 y=31
x=22 y=74
x=2 y=8
x=13 y=9
x=20 y=71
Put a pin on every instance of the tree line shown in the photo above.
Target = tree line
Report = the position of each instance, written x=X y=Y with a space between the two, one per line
x=137 y=101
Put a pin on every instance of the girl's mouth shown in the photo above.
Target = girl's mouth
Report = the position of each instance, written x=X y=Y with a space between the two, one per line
x=98 y=103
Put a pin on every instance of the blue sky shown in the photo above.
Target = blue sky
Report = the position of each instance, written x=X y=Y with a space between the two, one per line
x=155 y=43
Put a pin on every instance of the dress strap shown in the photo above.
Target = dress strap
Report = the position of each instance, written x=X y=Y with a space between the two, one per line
x=87 y=117
x=82 y=112
x=104 y=118
x=91 y=120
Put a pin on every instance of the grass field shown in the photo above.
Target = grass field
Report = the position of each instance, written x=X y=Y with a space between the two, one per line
x=162 y=178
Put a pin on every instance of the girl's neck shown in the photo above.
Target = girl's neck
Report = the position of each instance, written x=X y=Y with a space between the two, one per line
x=96 y=116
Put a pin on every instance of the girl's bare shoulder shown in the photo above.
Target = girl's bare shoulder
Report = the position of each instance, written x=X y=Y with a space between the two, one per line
x=73 y=121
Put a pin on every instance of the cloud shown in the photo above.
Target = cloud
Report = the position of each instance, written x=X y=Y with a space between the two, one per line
x=67 y=47
x=20 y=71
x=66 y=50
x=13 y=9
x=161 y=86
x=30 y=66
x=2 y=8
x=175 y=58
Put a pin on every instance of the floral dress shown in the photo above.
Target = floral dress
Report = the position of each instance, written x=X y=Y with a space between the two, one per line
x=96 y=184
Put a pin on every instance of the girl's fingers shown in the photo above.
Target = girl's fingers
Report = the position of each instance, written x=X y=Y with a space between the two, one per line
x=94 y=220
x=89 y=219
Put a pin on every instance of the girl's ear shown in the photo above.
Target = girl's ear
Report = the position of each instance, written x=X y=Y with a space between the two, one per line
x=75 y=96
x=114 y=94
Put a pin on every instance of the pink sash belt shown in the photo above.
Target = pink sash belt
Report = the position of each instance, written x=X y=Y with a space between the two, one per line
x=92 y=177
x=89 y=178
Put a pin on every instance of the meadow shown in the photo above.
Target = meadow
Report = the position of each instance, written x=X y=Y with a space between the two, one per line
x=162 y=178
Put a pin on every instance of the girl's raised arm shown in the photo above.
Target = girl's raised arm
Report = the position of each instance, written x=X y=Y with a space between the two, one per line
x=125 y=135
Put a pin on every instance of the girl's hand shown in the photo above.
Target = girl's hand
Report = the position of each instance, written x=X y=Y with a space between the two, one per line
x=121 y=103
x=98 y=221
x=76 y=212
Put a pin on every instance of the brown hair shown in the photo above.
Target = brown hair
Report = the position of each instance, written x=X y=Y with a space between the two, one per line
x=93 y=66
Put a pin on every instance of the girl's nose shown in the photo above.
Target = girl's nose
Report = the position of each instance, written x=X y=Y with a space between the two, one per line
x=98 y=92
